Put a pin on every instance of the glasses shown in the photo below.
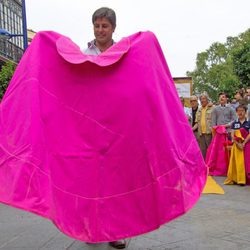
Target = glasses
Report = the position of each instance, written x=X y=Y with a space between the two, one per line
x=193 y=100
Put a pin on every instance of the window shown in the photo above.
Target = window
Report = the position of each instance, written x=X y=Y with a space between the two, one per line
x=11 y=20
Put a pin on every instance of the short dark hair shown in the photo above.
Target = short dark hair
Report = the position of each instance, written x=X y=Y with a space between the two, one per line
x=105 y=12
x=223 y=93
x=242 y=106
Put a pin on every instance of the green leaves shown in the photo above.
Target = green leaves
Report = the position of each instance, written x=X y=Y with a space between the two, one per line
x=223 y=67
x=6 y=74
x=241 y=62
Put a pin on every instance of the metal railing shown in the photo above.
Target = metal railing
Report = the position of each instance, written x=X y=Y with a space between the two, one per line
x=10 y=50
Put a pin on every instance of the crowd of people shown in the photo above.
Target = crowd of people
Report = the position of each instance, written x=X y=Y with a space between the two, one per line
x=232 y=120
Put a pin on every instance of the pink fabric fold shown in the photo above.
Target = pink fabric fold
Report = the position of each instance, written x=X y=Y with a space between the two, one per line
x=217 y=153
x=244 y=133
x=72 y=53
x=98 y=145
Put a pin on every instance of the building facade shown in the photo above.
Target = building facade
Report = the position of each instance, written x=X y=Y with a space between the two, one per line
x=184 y=86
x=11 y=20
x=31 y=35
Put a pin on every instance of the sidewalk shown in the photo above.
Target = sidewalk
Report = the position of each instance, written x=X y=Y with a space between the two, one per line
x=217 y=222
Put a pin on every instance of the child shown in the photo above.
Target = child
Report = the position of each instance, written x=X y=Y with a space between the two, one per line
x=239 y=160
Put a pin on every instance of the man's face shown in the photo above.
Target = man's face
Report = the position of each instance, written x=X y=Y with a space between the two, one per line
x=223 y=99
x=204 y=101
x=248 y=92
x=194 y=103
x=237 y=96
x=103 y=31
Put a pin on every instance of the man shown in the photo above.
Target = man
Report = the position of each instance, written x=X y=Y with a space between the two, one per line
x=194 y=108
x=104 y=24
x=239 y=96
x=223 y=114
x=203 y=123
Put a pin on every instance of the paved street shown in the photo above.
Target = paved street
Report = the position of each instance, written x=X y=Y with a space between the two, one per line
x=216 y=222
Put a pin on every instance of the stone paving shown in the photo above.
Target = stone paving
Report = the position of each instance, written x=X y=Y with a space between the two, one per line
x=216 y=222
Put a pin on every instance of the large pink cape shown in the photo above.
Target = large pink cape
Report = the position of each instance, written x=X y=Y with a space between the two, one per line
x=100 y=145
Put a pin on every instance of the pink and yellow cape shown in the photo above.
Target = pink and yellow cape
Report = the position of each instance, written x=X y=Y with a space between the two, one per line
x=239 y=166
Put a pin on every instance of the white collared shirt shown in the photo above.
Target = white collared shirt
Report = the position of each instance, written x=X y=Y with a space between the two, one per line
x=92 y=49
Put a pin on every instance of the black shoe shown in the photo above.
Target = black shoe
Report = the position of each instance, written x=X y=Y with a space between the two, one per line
x=119 y=244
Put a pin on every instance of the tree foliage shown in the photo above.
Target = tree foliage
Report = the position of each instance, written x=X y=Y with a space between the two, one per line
x=241 y=59
x=224 y=67
x=6 y=74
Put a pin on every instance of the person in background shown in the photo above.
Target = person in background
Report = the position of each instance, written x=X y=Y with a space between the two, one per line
x=194 y=108
x=239 y=96
x=186 y=109
x=234 y=103
x=223 y=114
x=248 y=101
x=239 y=164
x=204 y=124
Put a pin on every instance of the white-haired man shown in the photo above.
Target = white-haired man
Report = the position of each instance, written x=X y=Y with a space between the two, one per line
x=204 y=124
